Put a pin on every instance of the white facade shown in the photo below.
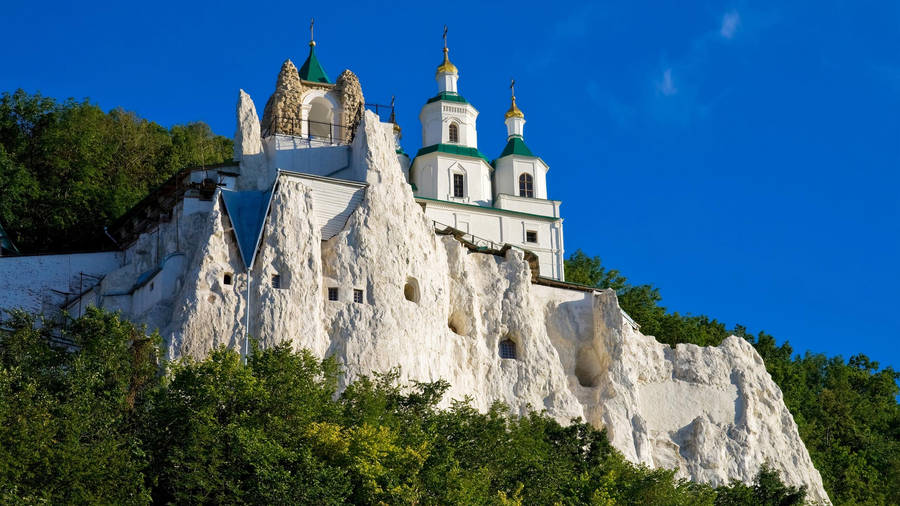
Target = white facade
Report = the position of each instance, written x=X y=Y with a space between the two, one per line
x=505 y=202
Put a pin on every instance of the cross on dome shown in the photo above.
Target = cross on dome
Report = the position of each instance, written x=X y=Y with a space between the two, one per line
x=446 y=67
x=514 y=111
x=312 y=70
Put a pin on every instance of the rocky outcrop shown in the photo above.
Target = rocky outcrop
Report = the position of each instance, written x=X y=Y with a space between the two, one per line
x=282 y=114
x=350 y=92
x=713 y=413
x=438 y=311
x=248 y=148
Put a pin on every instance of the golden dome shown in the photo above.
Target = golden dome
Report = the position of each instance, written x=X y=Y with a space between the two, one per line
x=446 y=66
x=514 y=112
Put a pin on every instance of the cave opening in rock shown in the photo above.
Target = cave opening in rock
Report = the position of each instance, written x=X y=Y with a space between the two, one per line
x=587 y=367
x=458 y=323
x=411 y=290
x=508 y=349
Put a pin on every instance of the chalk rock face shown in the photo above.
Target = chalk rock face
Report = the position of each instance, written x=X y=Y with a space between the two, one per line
x=248 y=148
x=440 y=312
x=713 y=413
x=210 y=312
x=282 y=114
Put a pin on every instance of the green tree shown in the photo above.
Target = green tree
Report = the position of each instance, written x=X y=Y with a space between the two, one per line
x=67 y=169
x=846 y=411
x=67 y=418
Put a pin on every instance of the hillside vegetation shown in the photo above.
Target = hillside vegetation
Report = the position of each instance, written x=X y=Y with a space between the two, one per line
x=846 y=411
x=67 y=169
x=100 y=425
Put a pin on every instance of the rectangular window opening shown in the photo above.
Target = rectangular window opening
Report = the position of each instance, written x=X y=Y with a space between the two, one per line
x=458 y=185
x=358 y=296
x=530 y=236
x=276 y=281
x=332 y=293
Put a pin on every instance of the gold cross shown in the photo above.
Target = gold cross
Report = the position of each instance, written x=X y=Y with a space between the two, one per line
x=445 y=36
x=312 y=21
x=512 y=87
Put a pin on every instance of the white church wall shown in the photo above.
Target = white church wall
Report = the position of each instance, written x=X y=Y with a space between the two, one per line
x=509 y=168
x=436 y=118
x=29 y=281
x=287 y=152
x=540 y=207
x=163 y=285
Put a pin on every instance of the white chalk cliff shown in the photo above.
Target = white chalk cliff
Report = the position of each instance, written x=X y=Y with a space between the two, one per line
x=713 y=413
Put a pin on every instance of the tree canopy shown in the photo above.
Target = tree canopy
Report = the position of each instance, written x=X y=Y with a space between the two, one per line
x=85 y=418
x=67 y=169
x=846 y=411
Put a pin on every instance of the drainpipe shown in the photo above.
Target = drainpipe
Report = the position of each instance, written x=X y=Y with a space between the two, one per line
x=247 y=323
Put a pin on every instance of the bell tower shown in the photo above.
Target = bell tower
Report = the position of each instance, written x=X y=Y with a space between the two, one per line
x=449 y=166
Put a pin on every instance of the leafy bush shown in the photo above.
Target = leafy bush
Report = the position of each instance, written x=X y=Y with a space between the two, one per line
x=93 y=422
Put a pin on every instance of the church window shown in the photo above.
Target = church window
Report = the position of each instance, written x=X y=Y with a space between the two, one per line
x=332 y=293
x=276 y=281
x=453 y=133
x=227 y=278
x=508 y=349
x=320 y=119
x=530 y=236
x=459 y=185
x=411 y=290
x=526 y=185
x=358 y=296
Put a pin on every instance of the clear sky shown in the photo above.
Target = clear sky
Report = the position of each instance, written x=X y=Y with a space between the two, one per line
x=744 y=157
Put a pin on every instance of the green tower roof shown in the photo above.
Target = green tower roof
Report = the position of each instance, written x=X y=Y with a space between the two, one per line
x=312 y=70
x=515 y=146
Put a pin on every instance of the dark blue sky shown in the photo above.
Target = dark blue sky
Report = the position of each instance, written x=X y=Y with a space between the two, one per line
x=744 y=157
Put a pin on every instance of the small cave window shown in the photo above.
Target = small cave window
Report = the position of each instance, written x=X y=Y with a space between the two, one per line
x=526 y=185
x=276 y=280
x=508 y=349
x=411 y=290
x=357 y=296
x=151 y=286
x=453 y=133
x=332 y=293
x=228 y=278
x=459 y=185
x=530 y=236
x=458 y=323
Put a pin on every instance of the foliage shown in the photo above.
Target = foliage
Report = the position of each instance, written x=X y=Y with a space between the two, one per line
x=95 y=423
x=846 y=411
x=67 y=419
x=67 y=169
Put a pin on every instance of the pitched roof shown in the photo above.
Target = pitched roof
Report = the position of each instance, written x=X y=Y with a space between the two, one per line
x=516 y=146
x=312 y=70
x=454 y=149
x=247 y=211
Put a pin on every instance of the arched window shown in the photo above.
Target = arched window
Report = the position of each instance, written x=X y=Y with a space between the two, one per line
x=321 y=116
x=453 y=134
x=526 y=185
x=507 y=349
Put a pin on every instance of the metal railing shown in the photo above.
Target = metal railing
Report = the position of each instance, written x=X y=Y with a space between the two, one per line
x=318 y=132
x=482 y=245
x=381 y=109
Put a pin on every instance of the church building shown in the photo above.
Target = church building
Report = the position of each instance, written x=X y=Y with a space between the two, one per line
x=504 y=200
